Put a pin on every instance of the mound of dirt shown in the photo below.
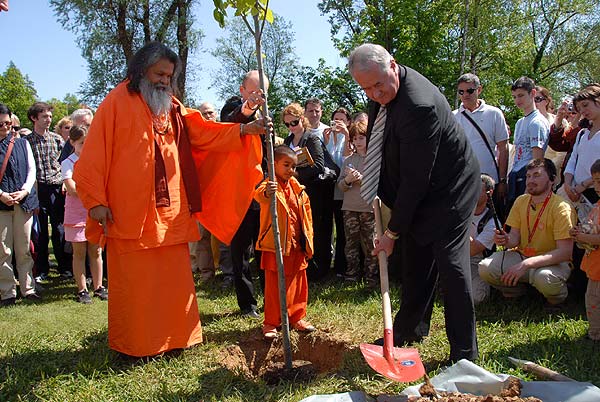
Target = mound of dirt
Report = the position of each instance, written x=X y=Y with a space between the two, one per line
x=512 y=393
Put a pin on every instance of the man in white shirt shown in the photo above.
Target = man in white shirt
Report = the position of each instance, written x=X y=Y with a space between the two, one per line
x=313 y=110
x=474 y=113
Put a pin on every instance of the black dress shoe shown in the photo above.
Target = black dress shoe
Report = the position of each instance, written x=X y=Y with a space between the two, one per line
x=33 y=297
x=252 y=314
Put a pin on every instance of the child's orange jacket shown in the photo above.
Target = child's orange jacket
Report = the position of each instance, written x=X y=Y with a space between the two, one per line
x=266 y=241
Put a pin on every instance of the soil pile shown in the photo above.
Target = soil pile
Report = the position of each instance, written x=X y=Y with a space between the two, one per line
x=512 y=393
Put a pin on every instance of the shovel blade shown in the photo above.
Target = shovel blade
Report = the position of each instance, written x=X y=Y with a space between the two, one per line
x=404 y=365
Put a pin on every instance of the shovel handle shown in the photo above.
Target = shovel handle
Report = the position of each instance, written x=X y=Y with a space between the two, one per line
x=383 y=274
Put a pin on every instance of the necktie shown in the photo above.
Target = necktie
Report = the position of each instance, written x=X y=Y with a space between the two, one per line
x=370 y=180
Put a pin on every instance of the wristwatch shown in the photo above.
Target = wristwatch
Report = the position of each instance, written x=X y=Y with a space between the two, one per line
x=502 y=180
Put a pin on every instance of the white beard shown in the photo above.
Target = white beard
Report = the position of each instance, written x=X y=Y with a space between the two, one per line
x=157 y=96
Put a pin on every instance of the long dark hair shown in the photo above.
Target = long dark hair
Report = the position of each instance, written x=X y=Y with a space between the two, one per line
x=148 y=55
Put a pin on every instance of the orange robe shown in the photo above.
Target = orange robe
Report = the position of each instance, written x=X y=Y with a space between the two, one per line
x=295 y=221
x=152 y=304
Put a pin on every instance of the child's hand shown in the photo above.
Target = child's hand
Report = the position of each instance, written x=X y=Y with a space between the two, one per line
x=271 y=188
x=352 y=175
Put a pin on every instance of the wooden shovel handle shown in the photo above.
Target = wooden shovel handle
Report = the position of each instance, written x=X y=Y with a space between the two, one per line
x=383 y=270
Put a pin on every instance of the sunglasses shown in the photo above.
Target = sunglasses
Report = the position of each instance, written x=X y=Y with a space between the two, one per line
x=5 y=123
x=292 y=123
x=16 y=128
x=470 y=91
x=539 y=99
x=67 y=127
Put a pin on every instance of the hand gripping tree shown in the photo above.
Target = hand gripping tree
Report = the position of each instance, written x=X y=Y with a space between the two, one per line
x=260 y=13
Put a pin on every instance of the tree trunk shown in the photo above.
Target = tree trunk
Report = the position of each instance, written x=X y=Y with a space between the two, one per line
x=182 y=42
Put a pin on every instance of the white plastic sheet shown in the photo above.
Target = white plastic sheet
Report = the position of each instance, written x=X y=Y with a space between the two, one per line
x=467 y=377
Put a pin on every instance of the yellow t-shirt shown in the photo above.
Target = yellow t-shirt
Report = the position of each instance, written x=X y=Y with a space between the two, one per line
x=556 y=220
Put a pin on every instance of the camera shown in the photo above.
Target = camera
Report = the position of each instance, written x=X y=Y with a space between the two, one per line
x=570 y=107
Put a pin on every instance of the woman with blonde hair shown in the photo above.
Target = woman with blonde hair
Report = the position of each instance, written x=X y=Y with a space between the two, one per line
x=320 y=191
x=63 y=127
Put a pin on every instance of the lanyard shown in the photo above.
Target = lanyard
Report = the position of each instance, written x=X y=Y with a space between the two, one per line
x=537 y=220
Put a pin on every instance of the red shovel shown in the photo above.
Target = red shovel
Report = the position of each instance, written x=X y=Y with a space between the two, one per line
x=398 y=364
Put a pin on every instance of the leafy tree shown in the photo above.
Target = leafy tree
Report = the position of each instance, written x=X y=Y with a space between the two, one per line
x=237 y=55
x=333 y=86
x=17 y=92
x=553 y=41
x=109 y=32
x=64 y=107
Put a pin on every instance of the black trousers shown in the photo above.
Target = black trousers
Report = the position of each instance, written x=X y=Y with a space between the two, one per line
x=339 y=263
x=241 y=248
x=52 y=207
x=320 y=194
x=448 y=260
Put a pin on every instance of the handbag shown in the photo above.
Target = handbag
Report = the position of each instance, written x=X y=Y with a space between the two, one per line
x=331 y=170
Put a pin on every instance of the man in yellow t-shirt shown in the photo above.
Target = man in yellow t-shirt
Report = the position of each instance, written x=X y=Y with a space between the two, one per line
x=540 y=222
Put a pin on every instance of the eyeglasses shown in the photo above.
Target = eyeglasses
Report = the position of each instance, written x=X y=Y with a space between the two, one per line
x=539 y=99
x=5 y=123
x=469 y=91
x=292 y=123
x=16 y=128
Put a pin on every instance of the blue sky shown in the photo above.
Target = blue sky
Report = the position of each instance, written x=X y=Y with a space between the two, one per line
x=48 y=54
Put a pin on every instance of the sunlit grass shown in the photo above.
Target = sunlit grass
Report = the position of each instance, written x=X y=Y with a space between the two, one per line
x=57 y=350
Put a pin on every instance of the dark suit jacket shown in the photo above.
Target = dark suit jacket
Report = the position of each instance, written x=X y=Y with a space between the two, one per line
x=429 y=174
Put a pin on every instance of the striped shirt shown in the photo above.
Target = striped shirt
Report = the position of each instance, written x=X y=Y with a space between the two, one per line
x=46 y=150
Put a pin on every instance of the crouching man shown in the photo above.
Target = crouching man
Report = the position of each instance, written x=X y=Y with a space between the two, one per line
x=540 y=222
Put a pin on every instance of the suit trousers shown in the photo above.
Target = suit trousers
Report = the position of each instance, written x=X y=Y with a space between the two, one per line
x=320 y=194
x=241 y=248
x=52 y=207
x=446 y=259
x=340 y=264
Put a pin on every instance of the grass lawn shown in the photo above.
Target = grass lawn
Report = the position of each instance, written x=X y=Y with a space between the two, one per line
x=57 y=350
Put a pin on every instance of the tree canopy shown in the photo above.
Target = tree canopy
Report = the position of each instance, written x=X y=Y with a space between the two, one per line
x=109 y=32
x=17 y=92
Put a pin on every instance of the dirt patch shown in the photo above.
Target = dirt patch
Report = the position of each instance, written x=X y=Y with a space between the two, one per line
x=254 y=357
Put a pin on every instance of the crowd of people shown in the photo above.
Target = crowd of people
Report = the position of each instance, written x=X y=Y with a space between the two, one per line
x=464 y=209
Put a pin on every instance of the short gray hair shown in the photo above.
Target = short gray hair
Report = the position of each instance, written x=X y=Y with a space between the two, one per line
x=469 y=78
x=80 y=113
x=366 y=54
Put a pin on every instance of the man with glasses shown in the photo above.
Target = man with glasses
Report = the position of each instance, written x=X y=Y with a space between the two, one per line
x=531 y=136
x=486 y=130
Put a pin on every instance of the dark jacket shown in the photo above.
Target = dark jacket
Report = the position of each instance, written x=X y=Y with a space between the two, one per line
x=307 y=175
x=16 y=174
x=429 y=175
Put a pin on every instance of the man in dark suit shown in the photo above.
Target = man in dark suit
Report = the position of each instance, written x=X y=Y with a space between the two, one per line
x=244 y=110
x=428 y=177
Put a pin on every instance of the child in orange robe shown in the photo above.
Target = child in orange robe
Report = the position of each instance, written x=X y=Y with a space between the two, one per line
x=295 y=232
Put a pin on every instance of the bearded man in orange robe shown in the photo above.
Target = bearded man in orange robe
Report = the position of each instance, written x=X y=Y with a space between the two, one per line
x=149 y=165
